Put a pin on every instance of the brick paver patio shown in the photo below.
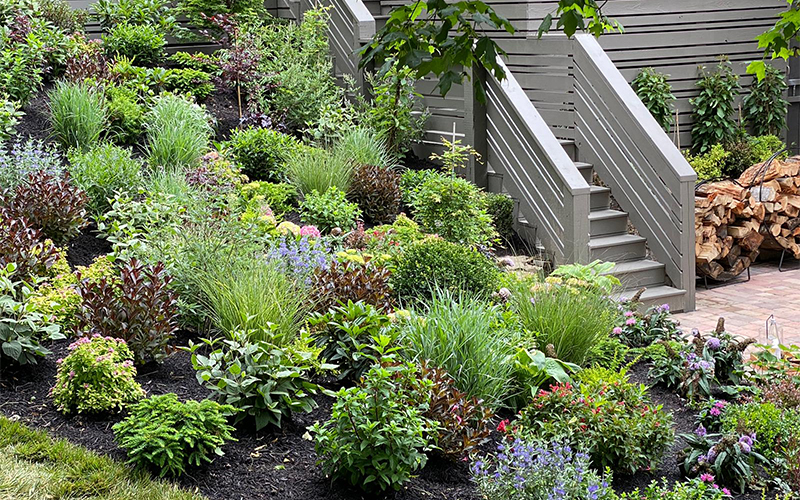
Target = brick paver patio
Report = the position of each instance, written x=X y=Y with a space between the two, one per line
x=747 y=305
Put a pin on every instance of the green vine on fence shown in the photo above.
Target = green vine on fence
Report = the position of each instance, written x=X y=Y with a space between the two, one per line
x=655 y=92
x=713 y=112
x=765 y=108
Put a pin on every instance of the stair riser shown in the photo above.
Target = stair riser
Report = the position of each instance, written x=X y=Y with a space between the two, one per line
x=676 y=303
x=599 y=200
x=571 y=150
x=620 y=253
x=642 y=278
x=587 y=174
x=603 y=227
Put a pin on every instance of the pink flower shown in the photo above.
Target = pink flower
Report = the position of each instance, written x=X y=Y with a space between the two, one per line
x=715 y=411
x=630 y=321
x=617 y=330
x=707 y=478
x=628 y=314
x=72 y=374
x=726 y=491
x=720 y=404
x=310 y=231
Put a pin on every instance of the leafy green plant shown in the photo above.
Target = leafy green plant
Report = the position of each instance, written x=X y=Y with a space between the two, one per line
x=136 y=12
x=279 y=196
x=125 y=114
x=141 y=43
x=261 y=153
x=774 y=426
x=764 y=108
x=53 y=205
x=189 y=81
x=347 y=335
x=21 y=329
x=411 y=180
x=177 y=132
x=250 y=294
x=713 y=108
x=534 y=369
x=265 y=383
x=655 y=92
x=10 y=114
x=165 y=434
x=434 y=262
x=96 y=376
x=138 y=308
x=765 y=146
x=465 y=336
x=729 y=457
x=78 y=114
x=617 y=423
x=697 y=489
x=638 y=329
x=376 y=190
x=454 y=209
x=594 y=275
x=329 y=210
x=104 y=171
x=709 y=165
x=314 y=169
x=21 y=70
x=455 y=156
x=374 y=439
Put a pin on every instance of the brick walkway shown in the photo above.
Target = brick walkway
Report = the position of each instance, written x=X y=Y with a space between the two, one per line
x=747 y=305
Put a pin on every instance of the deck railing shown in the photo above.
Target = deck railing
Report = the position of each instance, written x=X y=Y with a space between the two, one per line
x=649 y=177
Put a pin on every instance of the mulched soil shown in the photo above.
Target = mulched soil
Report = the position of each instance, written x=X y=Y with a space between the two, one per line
x=35 y=124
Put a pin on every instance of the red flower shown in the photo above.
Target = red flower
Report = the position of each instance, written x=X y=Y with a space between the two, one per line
x=502 y=425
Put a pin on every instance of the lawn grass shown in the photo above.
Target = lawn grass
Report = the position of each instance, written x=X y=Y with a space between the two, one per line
x=36 y=466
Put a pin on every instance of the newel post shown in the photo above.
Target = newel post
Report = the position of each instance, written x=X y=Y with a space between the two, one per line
x=475 y=123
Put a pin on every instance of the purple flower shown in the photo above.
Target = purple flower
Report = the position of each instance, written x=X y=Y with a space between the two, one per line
x=746 y=448
x=713 y=343
x=700 y=431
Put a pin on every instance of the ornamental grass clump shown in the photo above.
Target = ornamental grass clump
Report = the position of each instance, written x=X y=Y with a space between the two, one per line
x=526 y=469
x=96 y=376
x=178 y=131
x=314 y=169
x=78 y=113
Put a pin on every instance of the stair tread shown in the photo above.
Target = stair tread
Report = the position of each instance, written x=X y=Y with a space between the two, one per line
x=614 y=240
x=599 y=189
x=652 y=293
x=606 y=213
x=634 y=265
x=582 y=165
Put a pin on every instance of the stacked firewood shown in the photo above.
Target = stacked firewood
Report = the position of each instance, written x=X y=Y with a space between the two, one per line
x=735 y=220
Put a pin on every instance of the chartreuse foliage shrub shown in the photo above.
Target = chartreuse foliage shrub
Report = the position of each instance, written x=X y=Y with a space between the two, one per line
x=529 y=469
x=177 y=132
x=467 y=337
x=610 y=418
x=713 y=111
x=32 y=461
x=434 y=262
x=162 y=433
x=96 y=376
x=125 y=114
x=262 y=153
x=374 y=439
x=21 y=328
x=280 y=197
x=104 y=171
x=709 y=165
x=78 y=113
x=10 y=115
x=187 y=81
x=143 y=44
x=453 y=208
x=655 y=92
x=329 y=209
x=265 y=383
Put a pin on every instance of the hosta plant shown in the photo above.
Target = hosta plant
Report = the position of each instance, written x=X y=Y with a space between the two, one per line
x=51 y=204
x=139 y=308
x=166 y=435
x=266 y=383
x=96 y=376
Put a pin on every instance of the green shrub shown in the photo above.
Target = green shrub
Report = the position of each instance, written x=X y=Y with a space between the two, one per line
x=96 y=376
x=411 y=180
x=764 y=108
x=125 y=114
x=655 y=92
x=692 y=489
x=313 y=169
x=765 y=146
x=392 y=239
x=177 y=132
x=376 y=190
x=21 y=328
x=437 y=263
x=500 y=208
x=10 y=114
x=612 y=419
x=264 y=383
x=374 y=439
x=78 y=114
x=464 y=335
x=347 y=335
x=329 y=210
x=20 y=71
x=740 y=156
x=709 y=165
x=143 y=44
x=261 y=153
x=162 y=433
x=279 y=196
x=453 y=208
x=251 y=295
x=562 y=320
x=196 y=60
x=774 y=426
x=104 y=171
x=713 y=111
x=189 y=81
x=136 y=12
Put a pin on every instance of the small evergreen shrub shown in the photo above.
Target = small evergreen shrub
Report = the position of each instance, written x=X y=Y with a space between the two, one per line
x=453 y=208
x=376 y=190
x=78 y=114
x=765 y=146
x=53 y=205
x=166 y=435
x=374 y=439
x=125 y=114
x=104 y=171
x=96 y=376
x=329 y=210
x=262 y=153
x=774 y=426
x=143 y=44
x=655 y=92
x=265 y=383
x=709 y=165
x=437 y=263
